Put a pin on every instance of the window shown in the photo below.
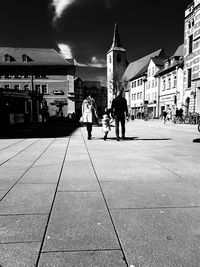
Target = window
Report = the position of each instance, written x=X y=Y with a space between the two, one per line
x=153 y=71
x=7 y=58
x=138 y=83
x=155 y=82
x=169 y=83
x=164 y=85
x=7 y=86
x=37 y=88
x=119 y=58
x=189 y=78
x=17 y=87
x=26 y=87
x=140 y=95
x=175 y=80
x=110 y=59
x=132 y=96
x=24 y=58
x=44 y=89
x=152 y=83
x=190 y=44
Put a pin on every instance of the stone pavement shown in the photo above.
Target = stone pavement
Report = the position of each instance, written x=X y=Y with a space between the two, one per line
x=69 y=201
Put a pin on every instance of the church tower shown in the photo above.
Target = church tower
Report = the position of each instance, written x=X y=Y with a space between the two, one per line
x=116 y=65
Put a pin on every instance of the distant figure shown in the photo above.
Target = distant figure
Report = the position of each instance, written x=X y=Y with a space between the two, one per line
x=106 y=125
x=89 y=114
x=164 y=116
x=181 y=113
x=119 y=110
x=169 y=114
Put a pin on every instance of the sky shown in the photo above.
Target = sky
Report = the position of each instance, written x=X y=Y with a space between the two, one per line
x=83 y=29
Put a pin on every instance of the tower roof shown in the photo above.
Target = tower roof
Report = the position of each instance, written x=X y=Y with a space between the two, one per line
x=116 y=44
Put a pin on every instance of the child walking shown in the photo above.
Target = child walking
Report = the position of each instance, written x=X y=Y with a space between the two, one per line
x=106 y=125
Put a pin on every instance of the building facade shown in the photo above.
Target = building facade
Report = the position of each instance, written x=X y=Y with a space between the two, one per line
x=33 y=80
x=191 y=93
x=116 y=66
x=171 y=82
x=142 y=88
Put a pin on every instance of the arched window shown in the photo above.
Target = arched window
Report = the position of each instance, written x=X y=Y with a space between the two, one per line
x=119 y=59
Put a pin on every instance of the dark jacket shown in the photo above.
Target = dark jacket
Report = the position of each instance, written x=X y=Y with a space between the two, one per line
x=119 y=107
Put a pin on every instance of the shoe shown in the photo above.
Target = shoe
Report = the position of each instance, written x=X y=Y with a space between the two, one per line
x=117 y=139
x=123 y=137
x=104 y=138
x=89 y=137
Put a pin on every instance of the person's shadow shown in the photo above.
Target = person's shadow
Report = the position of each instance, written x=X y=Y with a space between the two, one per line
x=197 y=140
x=138 y=139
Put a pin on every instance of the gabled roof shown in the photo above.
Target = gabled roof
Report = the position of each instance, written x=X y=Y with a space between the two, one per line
x=140 y=65
x=38 y=56
x=179 y=51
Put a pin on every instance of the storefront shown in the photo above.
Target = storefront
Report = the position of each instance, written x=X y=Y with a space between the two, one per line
x=18 y=106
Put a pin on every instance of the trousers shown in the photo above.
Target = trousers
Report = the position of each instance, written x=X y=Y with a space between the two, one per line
x=117 y=121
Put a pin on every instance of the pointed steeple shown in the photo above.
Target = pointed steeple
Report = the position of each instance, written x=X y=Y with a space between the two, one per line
x=116 y=44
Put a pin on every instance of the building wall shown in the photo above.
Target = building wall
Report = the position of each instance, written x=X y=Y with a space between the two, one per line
x=192 y=57
x=115 y=71
x=151 y=91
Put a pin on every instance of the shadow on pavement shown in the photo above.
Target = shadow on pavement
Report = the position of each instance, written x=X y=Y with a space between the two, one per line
x=39 y=130
x=137 y=138
x=196 y=140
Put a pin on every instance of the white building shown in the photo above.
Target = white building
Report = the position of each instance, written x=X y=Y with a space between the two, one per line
x=142 y=85
x=171 y=82
x=191 y=95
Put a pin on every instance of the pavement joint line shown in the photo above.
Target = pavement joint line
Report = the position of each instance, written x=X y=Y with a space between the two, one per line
x=110 y=215
x=20 y=152
x=79 y=250
x=27 y=168
x=23 y=214
x=54 y=197
x=12 y=144
x=78 y=191
x=22 y=242
x=156 y=208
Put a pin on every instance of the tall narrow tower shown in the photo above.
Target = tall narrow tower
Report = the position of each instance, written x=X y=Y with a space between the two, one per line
x=116 y=65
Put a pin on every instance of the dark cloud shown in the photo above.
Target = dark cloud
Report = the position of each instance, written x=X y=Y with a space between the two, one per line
x=87 y=26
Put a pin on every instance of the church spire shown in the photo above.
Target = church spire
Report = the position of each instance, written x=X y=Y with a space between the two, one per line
x=116 y=44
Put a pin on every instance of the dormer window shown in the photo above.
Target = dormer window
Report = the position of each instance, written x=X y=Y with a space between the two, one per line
x=166 y=64
x=24 y=58
x=7 y=58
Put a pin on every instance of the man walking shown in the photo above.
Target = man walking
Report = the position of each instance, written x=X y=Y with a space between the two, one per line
x=119 y=110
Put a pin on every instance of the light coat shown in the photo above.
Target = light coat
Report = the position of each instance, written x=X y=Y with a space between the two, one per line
x=89 y=113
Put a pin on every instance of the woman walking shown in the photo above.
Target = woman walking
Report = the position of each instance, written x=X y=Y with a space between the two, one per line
x=89 y=114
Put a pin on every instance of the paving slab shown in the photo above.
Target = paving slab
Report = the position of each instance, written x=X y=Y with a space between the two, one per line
x=22 y=228
x=42 y=174
x=78 y=178
x=19 y=254
x=151 y=194
x=159 y=237
x=80 y=221
x=112 y=258
x=28 y=199
x=9 y=177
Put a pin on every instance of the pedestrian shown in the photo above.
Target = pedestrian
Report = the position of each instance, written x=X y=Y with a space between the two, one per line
x=106 y=125
x=119 y=110
x=164 y=115
x=169 y=114
x=89 y=114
